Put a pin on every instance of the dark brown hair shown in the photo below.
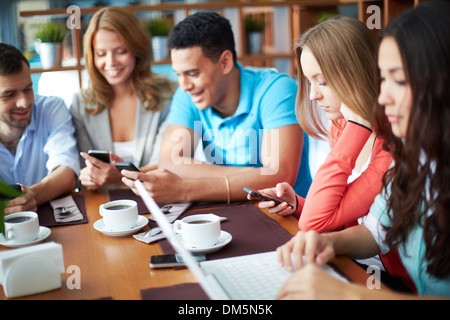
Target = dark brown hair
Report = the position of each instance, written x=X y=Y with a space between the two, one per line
x=11 y=59
x=418 y=184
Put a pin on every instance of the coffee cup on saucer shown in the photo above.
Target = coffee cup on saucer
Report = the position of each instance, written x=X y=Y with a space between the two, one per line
x=199 y=230
x=21 y=227
x=119 y=215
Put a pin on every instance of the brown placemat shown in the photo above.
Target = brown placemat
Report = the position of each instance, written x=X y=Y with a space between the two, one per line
x=184 y=291
x=47 y=217
x=118 y=194
x=252 y=232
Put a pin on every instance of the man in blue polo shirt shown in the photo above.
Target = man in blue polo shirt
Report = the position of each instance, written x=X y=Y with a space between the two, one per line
x=244 y=119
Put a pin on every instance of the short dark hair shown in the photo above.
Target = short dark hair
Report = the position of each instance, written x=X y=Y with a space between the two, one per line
x=11 y=59
x=205 y=29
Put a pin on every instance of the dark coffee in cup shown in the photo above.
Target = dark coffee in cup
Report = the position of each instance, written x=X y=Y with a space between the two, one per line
x=199 y=230
x=21 y=227
x=119 y=215
x=18 y=219
x=199 y=221
x=118 y=207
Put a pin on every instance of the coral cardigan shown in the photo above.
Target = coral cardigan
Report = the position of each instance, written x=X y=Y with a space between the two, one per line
x=331 y=202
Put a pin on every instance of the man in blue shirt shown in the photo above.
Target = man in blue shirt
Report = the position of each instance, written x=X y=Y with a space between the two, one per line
x=38 y=147
x=244 y=119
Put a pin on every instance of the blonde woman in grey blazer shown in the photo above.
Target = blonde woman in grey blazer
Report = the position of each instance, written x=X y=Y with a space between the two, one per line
x=125 y=106
x=94 y=131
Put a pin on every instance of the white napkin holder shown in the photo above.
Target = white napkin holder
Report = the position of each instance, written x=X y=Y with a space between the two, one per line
x=31 y=270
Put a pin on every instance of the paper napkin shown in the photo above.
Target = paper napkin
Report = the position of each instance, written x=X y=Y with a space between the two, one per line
x=65 y=209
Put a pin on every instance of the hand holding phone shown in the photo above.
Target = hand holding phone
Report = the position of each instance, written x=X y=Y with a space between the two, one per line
x=264 y=197
x=16 y=187
x=101 y=155
x=126 y=166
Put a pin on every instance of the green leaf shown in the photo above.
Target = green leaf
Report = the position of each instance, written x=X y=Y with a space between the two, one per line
x=3 y=204
x=6 y=193
x=158 y=27
x=51 y=32
x=254 y=24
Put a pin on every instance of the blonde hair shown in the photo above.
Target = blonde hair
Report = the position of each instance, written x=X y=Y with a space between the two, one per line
x=152 y=89
x=345 y=50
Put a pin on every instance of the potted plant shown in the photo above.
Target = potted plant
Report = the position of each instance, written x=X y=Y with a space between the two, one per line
x=50 y=37
x=158 y=29
x=325 y=15
x=254 y=28
x=6 y=192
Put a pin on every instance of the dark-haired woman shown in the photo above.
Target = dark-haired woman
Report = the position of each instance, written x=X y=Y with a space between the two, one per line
x=413 y=210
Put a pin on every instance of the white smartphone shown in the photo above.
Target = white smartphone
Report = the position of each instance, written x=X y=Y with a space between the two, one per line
x=171 y=260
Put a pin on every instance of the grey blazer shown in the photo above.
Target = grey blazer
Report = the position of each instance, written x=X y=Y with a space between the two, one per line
x=94 y=131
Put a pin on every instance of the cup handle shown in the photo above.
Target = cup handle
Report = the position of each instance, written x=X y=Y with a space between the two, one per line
x=101 y=210
x=8 y=236
x=177 y=226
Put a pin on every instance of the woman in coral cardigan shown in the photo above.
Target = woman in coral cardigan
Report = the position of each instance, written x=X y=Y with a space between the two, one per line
x=337 y=67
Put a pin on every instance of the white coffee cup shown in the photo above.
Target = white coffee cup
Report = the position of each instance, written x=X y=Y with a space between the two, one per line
x=199 y=230
x=21 y=227
x=119 y=215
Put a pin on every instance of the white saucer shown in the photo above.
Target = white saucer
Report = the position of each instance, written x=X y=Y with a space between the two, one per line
x=43 y=234
x=224 y=239
x=100 y=226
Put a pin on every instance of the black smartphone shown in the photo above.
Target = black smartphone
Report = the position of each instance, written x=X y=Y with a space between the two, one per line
x=100 y=155
x=126 y=166
x=16 y=187
x=171 y=260
x=264 y=197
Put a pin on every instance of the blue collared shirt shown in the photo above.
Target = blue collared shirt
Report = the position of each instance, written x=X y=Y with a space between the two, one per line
x=47 y=142
x=267 y=101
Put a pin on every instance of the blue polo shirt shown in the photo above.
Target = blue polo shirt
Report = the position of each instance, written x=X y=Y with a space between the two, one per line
x=267 y=101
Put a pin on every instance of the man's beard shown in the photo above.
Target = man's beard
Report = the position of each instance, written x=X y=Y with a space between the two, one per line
x=19 y=124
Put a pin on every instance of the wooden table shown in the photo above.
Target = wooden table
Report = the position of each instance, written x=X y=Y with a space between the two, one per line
x=118 y=267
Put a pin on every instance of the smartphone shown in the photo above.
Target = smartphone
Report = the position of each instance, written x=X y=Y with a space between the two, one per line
x=126 y=166
x=171 y=260
x=16 y=187
x=264 y=196
x=100 y=155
